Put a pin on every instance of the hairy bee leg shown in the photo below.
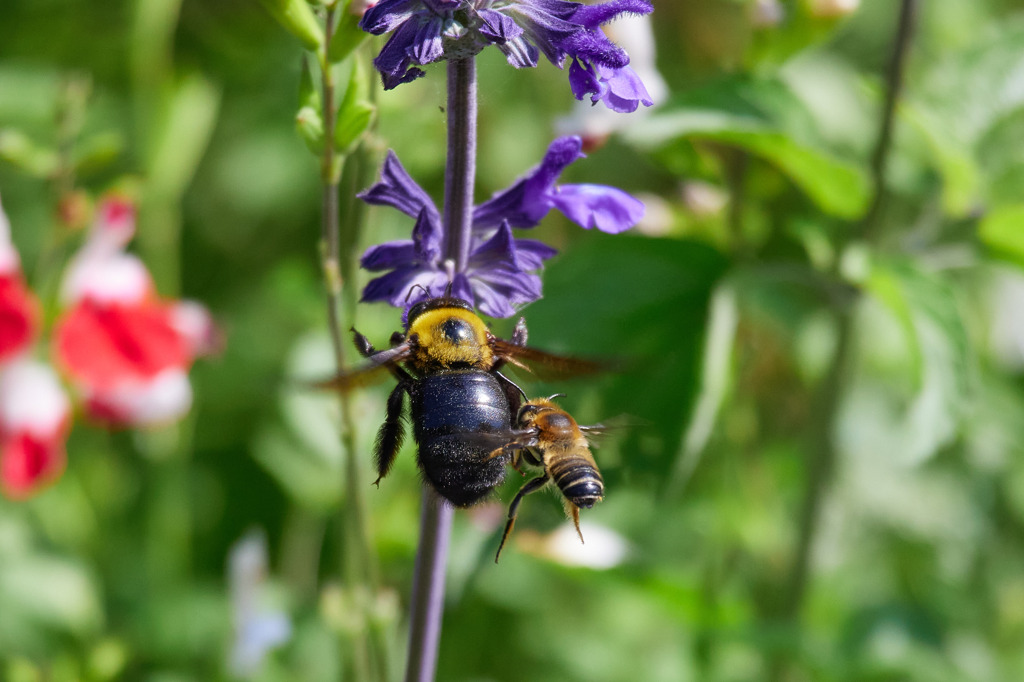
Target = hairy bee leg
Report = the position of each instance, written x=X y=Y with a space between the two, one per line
x=391 y=433
x=363 y=344
x=513 y=509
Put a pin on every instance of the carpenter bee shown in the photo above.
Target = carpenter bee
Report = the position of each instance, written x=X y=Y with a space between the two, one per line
x=548 y=437
x=448 y=361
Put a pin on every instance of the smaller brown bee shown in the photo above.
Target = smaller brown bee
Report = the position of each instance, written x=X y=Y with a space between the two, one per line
x=548 y=437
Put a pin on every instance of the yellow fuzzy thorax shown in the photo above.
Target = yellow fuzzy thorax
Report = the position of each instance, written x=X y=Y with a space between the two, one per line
x=435 y=349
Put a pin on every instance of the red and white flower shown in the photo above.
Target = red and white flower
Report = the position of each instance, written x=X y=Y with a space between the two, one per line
x=126 y=350
x=35 y=417
x=19 y=311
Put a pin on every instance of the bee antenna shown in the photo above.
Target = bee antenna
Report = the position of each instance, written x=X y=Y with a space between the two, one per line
x=413 y=288
x=556 y=395
x=448 y=289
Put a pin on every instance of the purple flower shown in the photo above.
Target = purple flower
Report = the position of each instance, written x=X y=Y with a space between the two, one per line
x=499 y=273
x=526 y=202
x=424 y=31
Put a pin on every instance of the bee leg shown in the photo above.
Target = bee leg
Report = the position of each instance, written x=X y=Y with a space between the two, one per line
x=516 y=458
x=363 y=344
x=513 y=509
x=574 y=512
x=513 y=392
x=391 y=433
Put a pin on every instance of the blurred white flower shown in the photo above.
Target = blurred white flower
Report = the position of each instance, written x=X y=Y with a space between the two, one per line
x=1006 y=333
x=258 y=628
x=603 y=548
x=767 y=13
x=834 y=9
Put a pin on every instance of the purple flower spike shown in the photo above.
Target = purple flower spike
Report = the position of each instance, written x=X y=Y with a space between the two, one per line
x=526 y=202
x=499 y=273
x=425 y=31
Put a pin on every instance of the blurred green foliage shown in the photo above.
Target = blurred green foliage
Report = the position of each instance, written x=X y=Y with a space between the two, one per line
x=754 y=314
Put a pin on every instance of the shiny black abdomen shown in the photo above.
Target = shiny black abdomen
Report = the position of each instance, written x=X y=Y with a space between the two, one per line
x=450 y=411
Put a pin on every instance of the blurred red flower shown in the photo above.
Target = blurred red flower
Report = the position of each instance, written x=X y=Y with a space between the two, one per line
x=126 y=350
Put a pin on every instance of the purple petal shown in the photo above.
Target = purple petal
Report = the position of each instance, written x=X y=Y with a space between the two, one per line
x=498 y=27
x=525 y=203
x=398 y=190
x=607 y=208
x=428 y=47
x=490 y=301
x=499 y=293
x=583 y=81
x=624 y=91
x=461 y=287
x=395 y=286
x=531 y=253
x=387 y=15
x=520 y=53
x=426 y=238
x=500 y=249
x=388 y=255
x=393 y=62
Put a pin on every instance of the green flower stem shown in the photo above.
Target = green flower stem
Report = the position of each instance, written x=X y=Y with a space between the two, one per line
x=359 y=566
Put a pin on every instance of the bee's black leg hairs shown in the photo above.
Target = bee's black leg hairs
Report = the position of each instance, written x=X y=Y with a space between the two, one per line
x=363 y=344
x=391 y=433
x=367 y=350
x=513 y=509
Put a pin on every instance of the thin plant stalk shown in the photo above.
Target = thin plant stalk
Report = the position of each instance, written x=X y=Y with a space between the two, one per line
x=427 y=601
x=823 y=437
x=436 y=514
x=359 y=568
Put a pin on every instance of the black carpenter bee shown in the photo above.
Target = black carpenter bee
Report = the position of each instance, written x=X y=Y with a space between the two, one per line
x=547 y=436
x=448 y=361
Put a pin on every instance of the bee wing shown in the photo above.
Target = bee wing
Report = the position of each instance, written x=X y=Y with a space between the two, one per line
x=545 y=365
x=595 y=433
x=381 y=363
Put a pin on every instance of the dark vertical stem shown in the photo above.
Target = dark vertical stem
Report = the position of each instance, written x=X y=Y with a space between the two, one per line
x=460 y=171
x=427 y=606
x=436 y=514
x=823 y=449
x=894 y=85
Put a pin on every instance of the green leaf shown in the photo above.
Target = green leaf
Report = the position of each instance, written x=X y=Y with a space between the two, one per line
x=723 y=318
x=961 y=177
x=347 y=37
x=17 y=149
x=355 y=115
x=837 y=187
x=97 y=152
x=643 y=303
x=1002 y=230
x=926 y=307
x=310 y=126
x=185 y=124
x=298 y=19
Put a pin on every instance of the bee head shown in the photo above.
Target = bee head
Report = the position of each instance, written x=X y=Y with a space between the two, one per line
x=448 y=334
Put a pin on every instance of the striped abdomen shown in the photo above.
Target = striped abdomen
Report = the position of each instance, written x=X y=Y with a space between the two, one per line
x=578 y=479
